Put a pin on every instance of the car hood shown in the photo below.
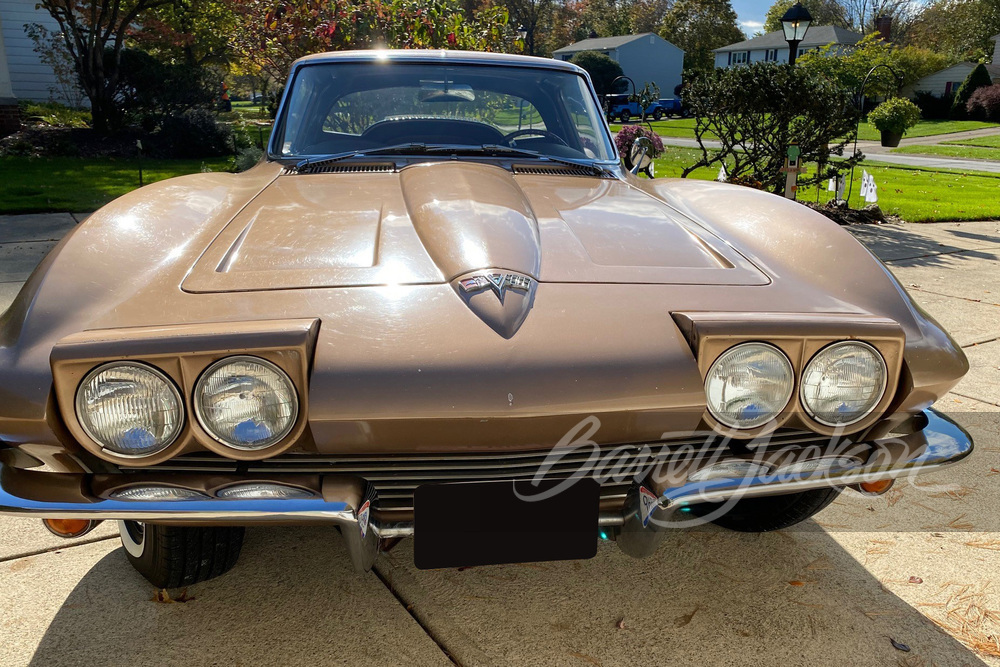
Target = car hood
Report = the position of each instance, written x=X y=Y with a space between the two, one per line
x=434 y=222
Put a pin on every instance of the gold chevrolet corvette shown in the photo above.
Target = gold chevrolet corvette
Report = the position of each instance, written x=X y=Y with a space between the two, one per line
x=440 y=307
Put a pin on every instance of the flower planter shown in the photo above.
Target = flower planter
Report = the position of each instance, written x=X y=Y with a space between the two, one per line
x=891 y=139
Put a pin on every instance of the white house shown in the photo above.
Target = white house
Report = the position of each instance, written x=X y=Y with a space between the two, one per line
x=645 y=57
x=947 y=81
x=773 y=47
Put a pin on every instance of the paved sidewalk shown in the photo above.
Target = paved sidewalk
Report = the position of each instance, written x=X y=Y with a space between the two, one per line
x=836 y=590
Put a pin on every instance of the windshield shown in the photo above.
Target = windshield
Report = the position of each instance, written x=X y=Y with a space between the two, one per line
x=336 y=108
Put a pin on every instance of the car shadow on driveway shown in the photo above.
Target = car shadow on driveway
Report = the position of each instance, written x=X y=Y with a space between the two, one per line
x=707 y=596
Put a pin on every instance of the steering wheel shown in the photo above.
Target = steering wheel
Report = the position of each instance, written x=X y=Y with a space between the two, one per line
x=531 y=131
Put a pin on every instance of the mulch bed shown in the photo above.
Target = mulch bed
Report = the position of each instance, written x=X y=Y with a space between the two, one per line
x=842 y=214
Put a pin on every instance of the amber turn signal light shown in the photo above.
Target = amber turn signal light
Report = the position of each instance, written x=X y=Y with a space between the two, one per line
x=876 y=488
x=69 y=527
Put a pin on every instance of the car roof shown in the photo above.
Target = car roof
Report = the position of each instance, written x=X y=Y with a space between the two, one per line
x=438 y=56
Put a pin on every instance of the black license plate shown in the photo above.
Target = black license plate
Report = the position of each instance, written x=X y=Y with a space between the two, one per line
x=487 y=523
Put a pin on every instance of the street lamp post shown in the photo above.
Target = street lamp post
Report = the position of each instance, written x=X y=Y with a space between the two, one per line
x=795 y=23
x=522 y=35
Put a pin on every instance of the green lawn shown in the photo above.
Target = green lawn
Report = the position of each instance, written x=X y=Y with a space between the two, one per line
x=928 y=128
x=965 y=152
x=915 y=195
x=684 y=127
x=990 y=141
x=32 y=185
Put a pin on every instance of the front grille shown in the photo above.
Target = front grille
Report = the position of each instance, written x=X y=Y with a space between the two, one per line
x=396 y=476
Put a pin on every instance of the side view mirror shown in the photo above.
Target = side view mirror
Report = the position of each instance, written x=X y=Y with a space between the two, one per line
x=640 y=156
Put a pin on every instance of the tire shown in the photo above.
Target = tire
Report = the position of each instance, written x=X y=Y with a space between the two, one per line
x=760 y=515
x=658 y=114
x=171 y=556
x=625 y=116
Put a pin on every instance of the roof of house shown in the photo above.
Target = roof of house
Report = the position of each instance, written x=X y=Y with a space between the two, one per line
x=818 y=35
x=602 y=43
x=992 y=68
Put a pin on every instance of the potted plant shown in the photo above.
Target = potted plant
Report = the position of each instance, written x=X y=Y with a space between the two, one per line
x=893 y=118
x=627 y=136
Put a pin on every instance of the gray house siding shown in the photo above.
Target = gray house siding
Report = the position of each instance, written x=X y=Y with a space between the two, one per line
x=644 y=58
x=29 y=77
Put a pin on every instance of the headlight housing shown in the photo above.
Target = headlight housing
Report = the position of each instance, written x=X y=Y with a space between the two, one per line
x=246 y=402
x=843 y=383
x=129 y=409
x=749 y=385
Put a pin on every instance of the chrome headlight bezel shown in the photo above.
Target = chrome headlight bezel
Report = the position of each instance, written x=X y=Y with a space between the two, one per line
x=788 y=393
x=881 y=388
x=199 y=387
x=81 y=412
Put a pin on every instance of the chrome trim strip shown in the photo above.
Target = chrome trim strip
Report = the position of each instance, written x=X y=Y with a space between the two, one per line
x=939 y=444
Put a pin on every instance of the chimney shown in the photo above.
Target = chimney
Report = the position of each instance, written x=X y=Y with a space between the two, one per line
x=996 y=49
x=883 y=26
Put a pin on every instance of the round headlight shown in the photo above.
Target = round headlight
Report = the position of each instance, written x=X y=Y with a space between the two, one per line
x=843 y=383
x=129 y=409
x=749 y=385
x=246 y=402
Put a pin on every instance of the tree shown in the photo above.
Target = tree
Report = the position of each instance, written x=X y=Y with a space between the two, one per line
x=273 y=33
x=756 y=111
x=850 y=68
x=978 y=78
x=824 y=12
x=94 y=32
x=602 y=69
x=534 y=16
x=698 y=26
x=962 y=29
x=193 y=32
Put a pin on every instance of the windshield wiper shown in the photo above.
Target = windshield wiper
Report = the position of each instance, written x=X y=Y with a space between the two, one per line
x=409 y=147
x=510 y=150
x=422 y=148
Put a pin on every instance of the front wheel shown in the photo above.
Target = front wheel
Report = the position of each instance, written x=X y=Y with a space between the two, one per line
x=172 y=556
x=658 y=114
x=625 y=116
x=759 y=515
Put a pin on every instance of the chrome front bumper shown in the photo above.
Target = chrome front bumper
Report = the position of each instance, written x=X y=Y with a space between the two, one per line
x=941 y=442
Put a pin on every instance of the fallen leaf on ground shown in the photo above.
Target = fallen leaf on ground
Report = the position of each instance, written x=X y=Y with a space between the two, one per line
x=585 y=657
x=900 y=646
x=163 y=596
x=916 y=580
x=684 y=619
x=796 y=583
x=621 y=623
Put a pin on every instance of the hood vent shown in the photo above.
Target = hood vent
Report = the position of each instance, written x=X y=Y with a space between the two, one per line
x=377 y=167
x=535 y=170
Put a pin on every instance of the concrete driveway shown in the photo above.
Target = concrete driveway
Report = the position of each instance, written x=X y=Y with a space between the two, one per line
x=918 y=566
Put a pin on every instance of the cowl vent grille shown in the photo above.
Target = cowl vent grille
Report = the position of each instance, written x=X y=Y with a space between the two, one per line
x=555 y=171
x=380 y=167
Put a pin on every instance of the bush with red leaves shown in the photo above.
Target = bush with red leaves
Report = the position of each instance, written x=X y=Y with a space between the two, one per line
x=985 y=103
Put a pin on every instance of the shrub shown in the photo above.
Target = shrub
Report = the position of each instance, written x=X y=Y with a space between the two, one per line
x=149 y=90
x=602 y=69
x=985 y=103
x=628 y=134
x=977 y=78
x=932 y=106
x=895 y=115
x=755 y=111
x=195 y=133
x=248 y=157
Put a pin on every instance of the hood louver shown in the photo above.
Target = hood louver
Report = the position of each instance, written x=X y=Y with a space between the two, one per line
x=379 y=167
x=535 y=170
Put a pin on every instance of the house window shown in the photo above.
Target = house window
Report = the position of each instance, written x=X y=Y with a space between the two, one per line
x=771 y=55
x=740 y=58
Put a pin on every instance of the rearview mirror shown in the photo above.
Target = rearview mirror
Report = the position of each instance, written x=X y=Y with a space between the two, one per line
x=446 y=92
